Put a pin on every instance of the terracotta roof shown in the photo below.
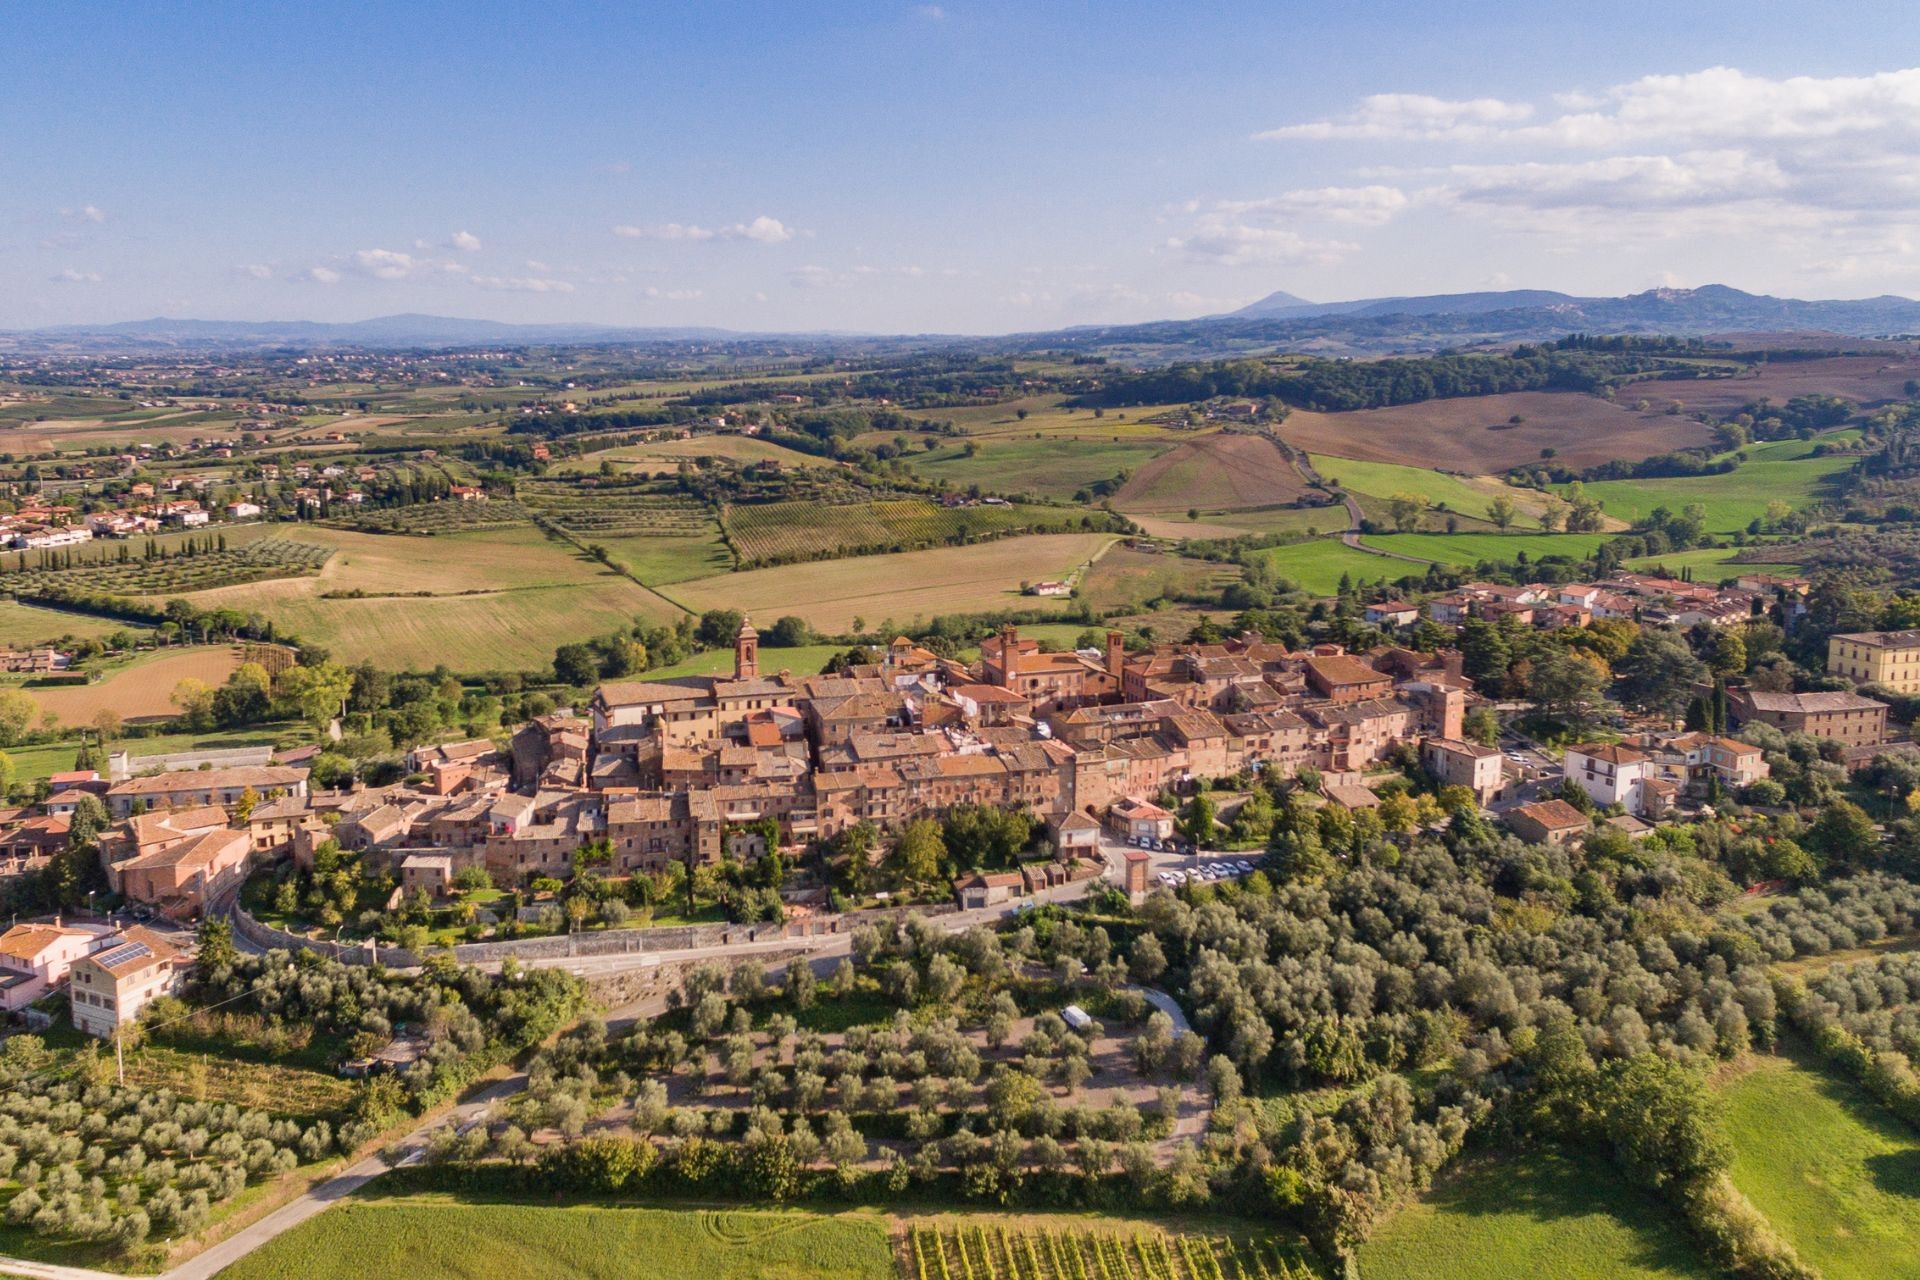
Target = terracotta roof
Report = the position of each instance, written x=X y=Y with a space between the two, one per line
x=1554 y=815
x=1610 y=752
x=255 y=776
x=27 y=941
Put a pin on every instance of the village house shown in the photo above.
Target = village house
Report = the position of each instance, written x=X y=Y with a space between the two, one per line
x=1847 y=718
x=1457 y=763
x=110 y=987
x=1609 y=773
x=223 y=787
x=1552 y=822
x=35 y=958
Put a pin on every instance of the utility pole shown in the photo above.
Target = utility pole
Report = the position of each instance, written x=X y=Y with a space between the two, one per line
x=119 y=1059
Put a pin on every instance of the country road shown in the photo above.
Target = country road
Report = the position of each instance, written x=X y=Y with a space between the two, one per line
x=1355 y=516
x=824 y=954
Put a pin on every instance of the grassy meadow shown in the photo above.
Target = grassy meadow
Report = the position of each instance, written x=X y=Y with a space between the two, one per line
x=1834 y=1172
x=1563 y=1215
x=1780 y=472
x=1468 y=549
x=438 y=1238
x=1318 y=565
x=1374 y=482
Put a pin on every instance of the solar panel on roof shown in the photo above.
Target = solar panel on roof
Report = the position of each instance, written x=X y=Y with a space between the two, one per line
x=124 y=952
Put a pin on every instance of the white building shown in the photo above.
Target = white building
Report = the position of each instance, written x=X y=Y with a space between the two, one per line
x=1610 y=774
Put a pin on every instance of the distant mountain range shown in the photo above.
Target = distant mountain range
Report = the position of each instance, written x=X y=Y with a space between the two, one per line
x=1279 y=321
x=1708 y=308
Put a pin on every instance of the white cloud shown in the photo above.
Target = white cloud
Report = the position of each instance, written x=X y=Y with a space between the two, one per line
x=68 y=275
x=255 y=270
x=818 y=277
x=1806 y=168
x=1236 y=244
x=673 y=295
x=86 y=213
x=323 y=275
x=466 y=241
x=385 y=264
x=762 y=230
x=1368 y=206
x=1410 y=115
x=522 y=284
x=930 y=12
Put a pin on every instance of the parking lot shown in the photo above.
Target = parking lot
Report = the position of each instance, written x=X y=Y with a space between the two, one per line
x=1206 y=869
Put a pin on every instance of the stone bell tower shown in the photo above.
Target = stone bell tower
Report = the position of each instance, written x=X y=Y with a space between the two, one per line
x=746 y=652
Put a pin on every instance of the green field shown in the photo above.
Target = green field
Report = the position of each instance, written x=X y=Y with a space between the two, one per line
x=438 y=1238
x=1568 y=1216
x=1836 y=1174
x=23 y=626
x=1051 y=466
x=1779 y=472
x=1710 y=564
x=804 y=661
x=33 y=763
x=1374 y=482
x=1317 y=565
x=1468 y=549
x=657 y=558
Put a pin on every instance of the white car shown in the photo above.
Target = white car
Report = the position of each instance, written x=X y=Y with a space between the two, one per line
x=1166 y=878
x=1244 y=867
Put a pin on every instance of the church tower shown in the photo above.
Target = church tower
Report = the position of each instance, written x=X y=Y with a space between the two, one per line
x=746 y=652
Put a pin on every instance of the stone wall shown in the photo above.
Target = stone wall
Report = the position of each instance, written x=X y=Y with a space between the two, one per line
x=600 y=942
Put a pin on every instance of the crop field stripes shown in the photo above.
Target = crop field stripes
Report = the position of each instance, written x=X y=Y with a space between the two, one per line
x=976 y=1252
x=179 y=572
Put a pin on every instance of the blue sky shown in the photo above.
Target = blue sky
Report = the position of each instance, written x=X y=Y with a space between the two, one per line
x=953 y=167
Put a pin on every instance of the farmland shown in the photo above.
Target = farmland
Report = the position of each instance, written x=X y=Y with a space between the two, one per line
x=1317 y=565
x=1217 y=470
x=485 y=631
x=140 y=689
x=1778 y=473
x=779 y=532
x=1465 y=550
x=1836 y=1174
x=1710 y=564
x=806 y=660
x=1474 y=435
x=434 y=1238
x=1546 y=1213
x=254 y=562
x=902 y=587
x=1866 y=380
x=1051 y=466
x=23 y=626
x=1374 y=482
x=33 y=763
x=953 y=1248
x=667 y=455
x=1126 y=577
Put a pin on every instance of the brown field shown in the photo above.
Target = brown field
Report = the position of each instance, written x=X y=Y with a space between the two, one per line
x=1867 y=380
x=1123 y=577
x=1218 y=470
x=1460 y=434
x=141 y=689
x=666 y=456
x=55 y=435
x=913 y=584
